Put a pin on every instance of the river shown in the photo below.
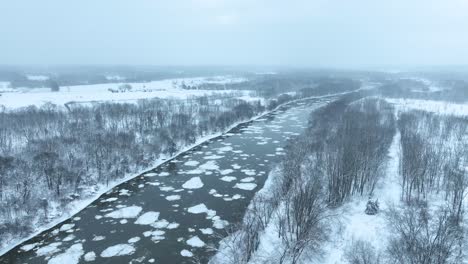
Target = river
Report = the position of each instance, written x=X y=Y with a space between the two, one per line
x=178 y=212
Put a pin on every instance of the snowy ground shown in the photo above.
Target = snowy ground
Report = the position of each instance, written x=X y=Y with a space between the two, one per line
x=439 y=107
x=170 y=88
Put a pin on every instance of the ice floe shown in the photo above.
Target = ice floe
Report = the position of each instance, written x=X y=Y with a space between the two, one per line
x=186 y=253
x=118 y=250
x=246 y=186
x=195 y=242
x=193 y=183
x=173 y=197
x=147 y=218
x=126 y=212
x=70 y=256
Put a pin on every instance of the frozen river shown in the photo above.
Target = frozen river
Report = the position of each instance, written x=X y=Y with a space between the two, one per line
x=178 y=212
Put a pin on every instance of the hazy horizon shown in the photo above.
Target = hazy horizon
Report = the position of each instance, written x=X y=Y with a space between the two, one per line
x=318 y=33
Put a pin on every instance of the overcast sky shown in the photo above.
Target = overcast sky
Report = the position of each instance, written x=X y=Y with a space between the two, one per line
x=336 y=33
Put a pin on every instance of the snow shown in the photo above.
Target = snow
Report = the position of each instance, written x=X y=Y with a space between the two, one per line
x=118 y=250
x=193 y=183
x=127 y=212
x=100 y=92
x=439 y=107
x=90 y=256
x=173 y=197
x=70 y=256
x=246 y=186
x=186 y=253
x=37 y=77
x=147 y=218
x=195 y=242
x=191 y=163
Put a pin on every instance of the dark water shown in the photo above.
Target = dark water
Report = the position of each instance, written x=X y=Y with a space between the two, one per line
x=243 y=156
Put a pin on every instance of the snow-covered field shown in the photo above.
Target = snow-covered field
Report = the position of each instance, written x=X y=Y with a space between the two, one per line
x=439 y=107
x=170 y=88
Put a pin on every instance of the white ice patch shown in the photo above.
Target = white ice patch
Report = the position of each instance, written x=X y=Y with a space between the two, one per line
x=236 y=166
x=246 y=186
x=110 y=199
x=29 y=246
x=49 y=249
x=193 y=183
x=209 y=165
x=118 y=250
x=191 y=163
x=224 y=149
x=99 y=238
x=186 y=253
x=198 y=209
x=66 y=227
x=206 y=231
x=195 y=242
x=212 y=157
x=226 y=172
x=248 y=179
x=151 y=174
x=228 y=178
x=173 y=197
x=70 y=256
x=133 y=240
x=147 y=218
x=164 y=174
x=90 y=256
x=126 y=212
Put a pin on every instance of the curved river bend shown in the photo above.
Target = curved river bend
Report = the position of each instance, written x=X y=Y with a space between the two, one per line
x=175 y=213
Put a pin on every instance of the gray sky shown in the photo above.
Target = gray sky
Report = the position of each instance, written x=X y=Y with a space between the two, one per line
x=338 y=33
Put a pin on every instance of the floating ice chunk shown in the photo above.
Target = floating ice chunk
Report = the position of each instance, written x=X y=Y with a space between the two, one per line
x=90 y=256
x=195 y=242
x=163 y=223
x=191 y=163
x=66 y=227
x=228 y=178
x=198 y=209
x=29 y=246
x=70 y=256
x=212 y=157
x=193 y=183
x=248 y=179
x=126 y=212
x=147 y=218
x=166 y=188
x=236 y=166
x=124 y=192
x=218 y=223
x=164 y=174
x=186 y=253
x=133 y=240
x=209 y=165
x=224 y=149
x=246 y=186
x=226 y=172
x=151 y=174
x=206 y=231
x=118 y=250
x=49 y=249
x=195 y=171
x=236 y=196
x=173 y=197
x=99 y=238
x=172 y=226
x=68 y=238
x=123 y=221
x=110 y=199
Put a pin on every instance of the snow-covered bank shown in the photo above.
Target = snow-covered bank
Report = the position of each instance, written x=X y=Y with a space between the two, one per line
x=78 y=205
